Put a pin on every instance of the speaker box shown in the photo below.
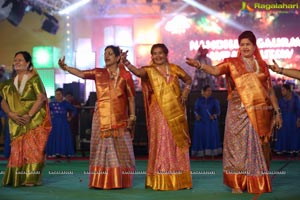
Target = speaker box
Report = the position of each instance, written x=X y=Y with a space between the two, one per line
x=17 y=13
x=50 y=25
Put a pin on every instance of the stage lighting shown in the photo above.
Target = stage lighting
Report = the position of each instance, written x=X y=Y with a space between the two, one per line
x=4 y=10
x=45 y=57
x=17 y=11
x=37 y=9
x=50 y=24
x=73 y=7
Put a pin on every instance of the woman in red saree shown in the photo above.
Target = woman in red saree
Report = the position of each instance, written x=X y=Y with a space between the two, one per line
x=112 y=161
x=168 y=136
x=249 y=119
x=25 y=102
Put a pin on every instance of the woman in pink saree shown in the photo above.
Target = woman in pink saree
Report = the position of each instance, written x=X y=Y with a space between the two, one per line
x=168 y=136
x=249 y=120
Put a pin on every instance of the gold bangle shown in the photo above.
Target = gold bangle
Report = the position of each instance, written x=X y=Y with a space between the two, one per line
x=188 y=87
x=29 y=115
x=132 y=117
x=277 y=111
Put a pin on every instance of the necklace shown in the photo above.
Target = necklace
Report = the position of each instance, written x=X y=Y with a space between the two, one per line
x=114 y=75
x=22 y=85
x=249 y=66
x=167 y=72
x=164 y=71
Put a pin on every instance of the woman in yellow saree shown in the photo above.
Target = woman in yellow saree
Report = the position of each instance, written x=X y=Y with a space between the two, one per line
x=25 y=103
x=248 y=126
x=168 y=136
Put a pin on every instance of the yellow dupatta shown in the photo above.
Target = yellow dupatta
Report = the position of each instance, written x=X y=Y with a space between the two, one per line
x=168 y=97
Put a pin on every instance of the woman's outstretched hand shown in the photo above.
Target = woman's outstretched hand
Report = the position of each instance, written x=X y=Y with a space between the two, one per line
x=275 y=67
x=62 y=64
x=192 y=62
x=124 y=58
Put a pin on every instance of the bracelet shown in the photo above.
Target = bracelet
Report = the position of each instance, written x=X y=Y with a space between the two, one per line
x=132 y=117
x=200 y=65
x=29 y=115
x=277 y=112
x=281 y=71
x=127 y=63
x=188 y=87
x=64 y=67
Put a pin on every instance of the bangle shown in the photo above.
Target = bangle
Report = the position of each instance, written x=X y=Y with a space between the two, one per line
x=281 y=71
x=277 y=112
x=132 y=117
x=64 y=67
x=127 y=63
x=200 y=65
x=29 y=115
x=188 y=87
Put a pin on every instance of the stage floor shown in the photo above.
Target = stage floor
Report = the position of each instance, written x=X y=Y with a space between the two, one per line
x=67 y=180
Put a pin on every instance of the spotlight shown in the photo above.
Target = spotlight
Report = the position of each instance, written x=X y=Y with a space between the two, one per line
x=6 y=3
x=17 y=11
x=50 y=24
x=4 y=10
x=73 y=7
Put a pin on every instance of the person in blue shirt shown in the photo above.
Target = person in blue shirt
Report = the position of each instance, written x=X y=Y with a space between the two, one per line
x=206 y=136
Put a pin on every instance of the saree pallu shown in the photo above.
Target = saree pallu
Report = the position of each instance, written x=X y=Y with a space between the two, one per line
x=112 y=161
x=27 y=157
x=168 y=165
x=244 y=164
